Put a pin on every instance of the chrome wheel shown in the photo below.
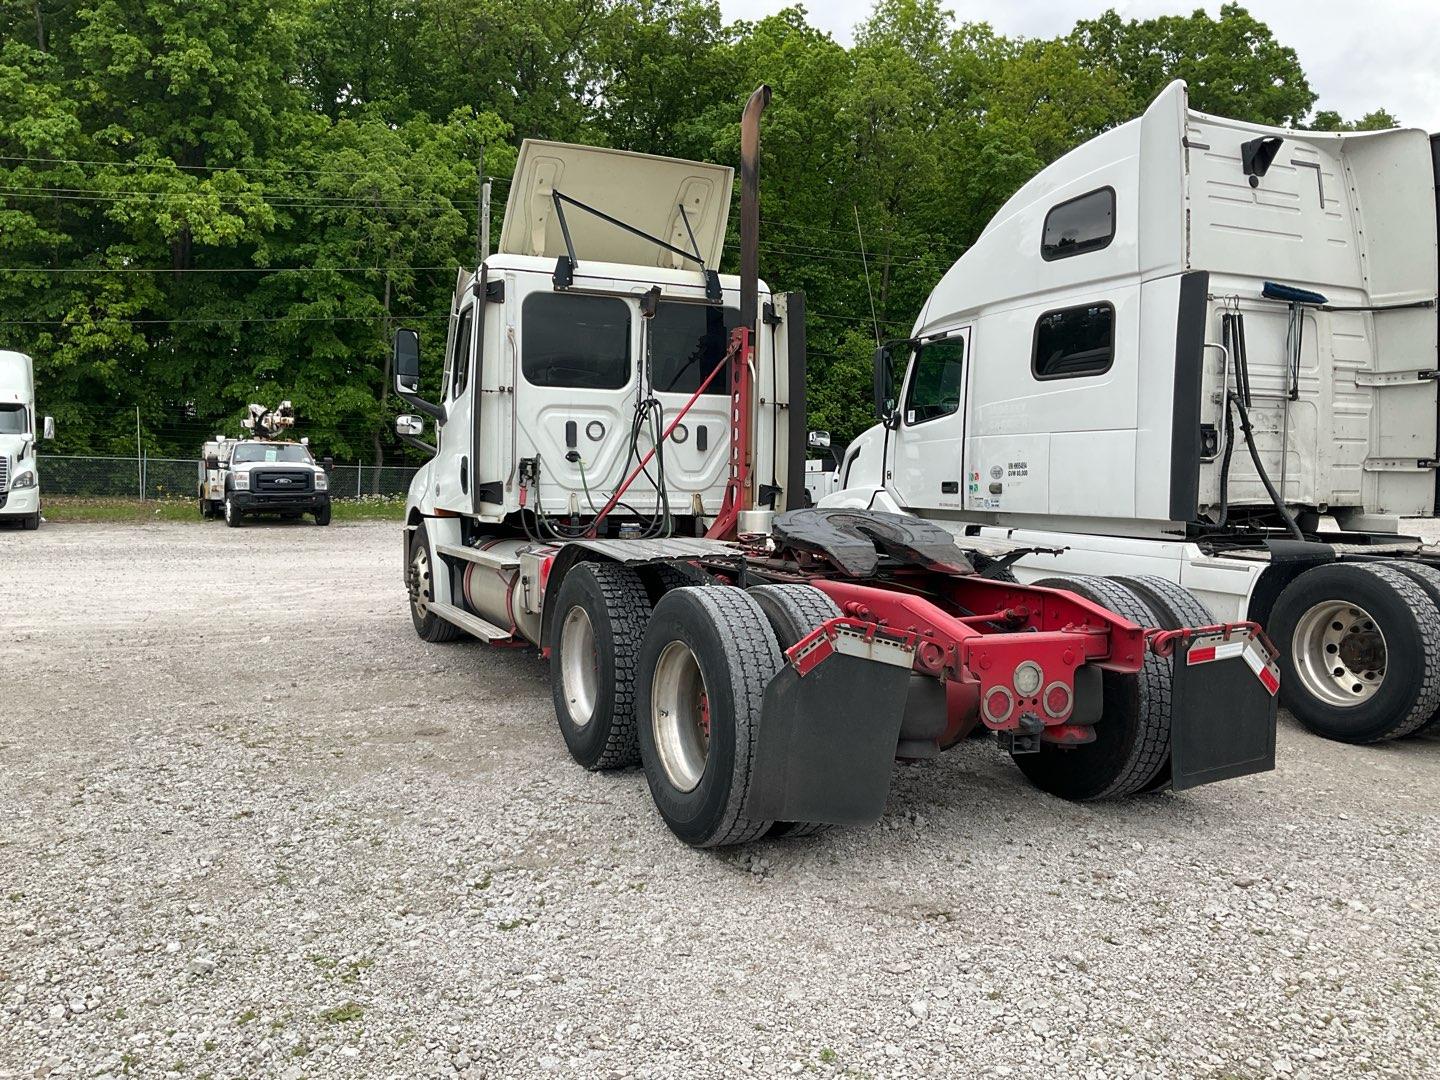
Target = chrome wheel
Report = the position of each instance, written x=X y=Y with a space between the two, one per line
x=421 y=586
x=1339 y=653
x=680 y=716
x=579 y=666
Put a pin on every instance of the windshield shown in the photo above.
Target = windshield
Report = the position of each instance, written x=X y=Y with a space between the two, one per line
x=12 y=419
x=271 y=452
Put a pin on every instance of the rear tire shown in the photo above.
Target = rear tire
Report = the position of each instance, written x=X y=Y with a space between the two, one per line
x=1132 y=736
x=420 y=582
x=1175 y=607
x=793 y=612
x=707 y=658
x=601 y=613
x=1358 y=625
x=1428 y=578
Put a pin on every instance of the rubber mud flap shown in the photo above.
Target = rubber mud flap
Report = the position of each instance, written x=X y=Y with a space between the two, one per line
x=827 y=742
x=1222 y=716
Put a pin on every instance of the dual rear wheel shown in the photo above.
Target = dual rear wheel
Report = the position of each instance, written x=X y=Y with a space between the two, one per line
x=678 y=687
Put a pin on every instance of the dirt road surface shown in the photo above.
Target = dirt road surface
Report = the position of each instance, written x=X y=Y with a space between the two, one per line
x=250 y=825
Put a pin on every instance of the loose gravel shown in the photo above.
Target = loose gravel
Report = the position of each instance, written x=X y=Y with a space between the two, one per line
x=250 y=825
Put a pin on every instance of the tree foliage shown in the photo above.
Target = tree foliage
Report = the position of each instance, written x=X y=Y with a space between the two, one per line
x=209 y=202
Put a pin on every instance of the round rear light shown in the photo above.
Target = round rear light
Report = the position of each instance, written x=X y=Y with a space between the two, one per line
x=997 y=705
x=1058 y=700
x=1028 y=679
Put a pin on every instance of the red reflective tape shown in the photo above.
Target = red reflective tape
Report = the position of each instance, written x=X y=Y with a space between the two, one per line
x=1269 y=680
x=1200 y=656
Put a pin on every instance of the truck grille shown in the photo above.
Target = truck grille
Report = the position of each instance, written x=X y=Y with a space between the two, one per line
x=286 y=481
x=4 y=473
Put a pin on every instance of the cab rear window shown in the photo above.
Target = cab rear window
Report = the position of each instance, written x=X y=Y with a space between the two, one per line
x=1079 y=225
x=576 y=341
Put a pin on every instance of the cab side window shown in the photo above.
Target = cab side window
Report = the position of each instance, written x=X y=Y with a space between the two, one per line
x=936 y=380
x=460 y=359
x=1074 y=342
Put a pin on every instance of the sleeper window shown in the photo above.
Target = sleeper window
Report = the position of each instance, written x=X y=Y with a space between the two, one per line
x=936 y=380
x=577 y=341
x=1079 y=225
x=688 y=341
x=1074 y=342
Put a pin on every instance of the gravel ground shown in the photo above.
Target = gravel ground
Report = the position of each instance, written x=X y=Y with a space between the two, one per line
x=250 y=825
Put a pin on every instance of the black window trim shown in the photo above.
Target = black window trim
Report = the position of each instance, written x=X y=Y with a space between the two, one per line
x=921 y=346
x=1109 y=239
x=459 y=379
x=626 y=300
x=1035 y=342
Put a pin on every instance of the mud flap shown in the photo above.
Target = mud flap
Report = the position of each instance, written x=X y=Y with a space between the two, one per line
x=827 y=741
x=1222 y=718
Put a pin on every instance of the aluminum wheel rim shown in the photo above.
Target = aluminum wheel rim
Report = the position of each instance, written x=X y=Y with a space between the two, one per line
x=1339 y=653
x=680 y=716
x=579 y=666
x=420 y=581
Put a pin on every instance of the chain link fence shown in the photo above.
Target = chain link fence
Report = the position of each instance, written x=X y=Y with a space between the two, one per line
x=172 y=478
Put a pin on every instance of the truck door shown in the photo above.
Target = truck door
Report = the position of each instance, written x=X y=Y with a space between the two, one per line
x=926 y=468
x=452 y=466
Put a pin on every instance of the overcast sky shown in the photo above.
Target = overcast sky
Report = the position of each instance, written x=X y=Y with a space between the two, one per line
x=1358 y=56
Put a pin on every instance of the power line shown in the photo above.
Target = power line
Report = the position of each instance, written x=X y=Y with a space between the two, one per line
x=214 y=270
x=224 y=321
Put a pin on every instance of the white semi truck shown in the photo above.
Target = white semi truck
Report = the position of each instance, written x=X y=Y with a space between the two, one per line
x=618 y=478
x=1199 y=352
x=20 y=432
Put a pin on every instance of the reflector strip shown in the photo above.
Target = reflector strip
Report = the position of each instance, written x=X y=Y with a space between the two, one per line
x=1206 y=653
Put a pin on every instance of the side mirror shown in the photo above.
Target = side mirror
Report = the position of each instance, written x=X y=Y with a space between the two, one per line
x=413 y=426
x=47 y=429
x=884 y=383
x=818 y=440
x=327 y=463
x=407 y=361
x=212 y=461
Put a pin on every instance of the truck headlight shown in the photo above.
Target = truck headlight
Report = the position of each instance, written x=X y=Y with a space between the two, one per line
x=240 y=481
x=25 y=479
x=322 y=482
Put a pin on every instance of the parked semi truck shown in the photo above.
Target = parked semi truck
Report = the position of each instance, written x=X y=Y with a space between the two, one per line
x=1199 y=352
x=20 y=433
x=618 y=478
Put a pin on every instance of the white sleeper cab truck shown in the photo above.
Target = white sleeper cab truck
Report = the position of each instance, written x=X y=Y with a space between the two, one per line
x=19 y=435
x=1199 y=356
x=618 y=477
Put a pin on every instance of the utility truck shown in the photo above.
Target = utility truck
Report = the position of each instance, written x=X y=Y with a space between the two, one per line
x=618 y=478
x=1200 y=355
x=240 y=478
x=19 y=435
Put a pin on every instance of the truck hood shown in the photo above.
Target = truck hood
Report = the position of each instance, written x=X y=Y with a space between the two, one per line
x=11 y=445
x=292 y=466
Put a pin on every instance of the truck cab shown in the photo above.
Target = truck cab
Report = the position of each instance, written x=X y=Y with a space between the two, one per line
x=20 y=434
x=1205 y=351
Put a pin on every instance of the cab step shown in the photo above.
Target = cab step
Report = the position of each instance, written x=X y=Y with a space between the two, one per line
x=471 y=624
